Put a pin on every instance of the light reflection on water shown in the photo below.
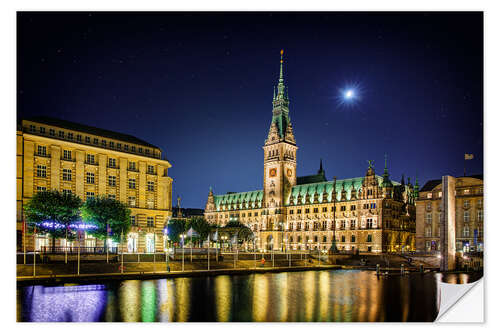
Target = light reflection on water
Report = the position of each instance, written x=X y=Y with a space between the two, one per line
x=293 y=296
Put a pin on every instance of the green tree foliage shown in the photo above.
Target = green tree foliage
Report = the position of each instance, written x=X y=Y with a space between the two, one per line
x=201 y=226
x=175 y=228
x=102 y=211
x=242 y=232
x=56 y=207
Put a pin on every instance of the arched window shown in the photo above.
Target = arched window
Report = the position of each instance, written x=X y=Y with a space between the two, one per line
x=353 y=238
x=324 y=239
x=369 y=238
x=342 y=239
x=466 y=231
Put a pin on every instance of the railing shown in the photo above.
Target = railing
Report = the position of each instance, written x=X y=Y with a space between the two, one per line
x=74 y=249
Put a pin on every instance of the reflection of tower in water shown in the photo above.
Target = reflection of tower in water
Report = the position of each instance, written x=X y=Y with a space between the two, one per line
x=260 y=297
x=223 y=297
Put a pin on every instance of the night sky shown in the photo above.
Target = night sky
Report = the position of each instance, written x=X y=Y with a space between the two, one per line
x=200 y=87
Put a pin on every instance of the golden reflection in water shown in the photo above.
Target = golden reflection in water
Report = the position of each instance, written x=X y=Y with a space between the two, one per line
x=309 y=294
x=324 y=295
x=109 y=315
x=405 y=298
x=223 y=297
x=260 y=297
x=182 y=289
x=130 y=300
x=164 y=304
x=282 y=287
x=362 y=283
x=347 y=299
x=375 y=299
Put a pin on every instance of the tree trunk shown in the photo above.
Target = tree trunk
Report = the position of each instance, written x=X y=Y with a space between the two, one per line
x=53 y=243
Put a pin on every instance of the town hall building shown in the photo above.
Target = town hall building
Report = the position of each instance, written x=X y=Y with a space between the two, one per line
x=370 y=213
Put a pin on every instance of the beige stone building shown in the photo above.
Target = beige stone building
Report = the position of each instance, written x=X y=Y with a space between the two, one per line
x=468 y=215
x=370 y=213
x=53 y=154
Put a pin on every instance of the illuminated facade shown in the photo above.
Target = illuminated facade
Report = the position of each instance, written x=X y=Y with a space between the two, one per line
x=370 y=213
x=469 y=207
x=58 y=155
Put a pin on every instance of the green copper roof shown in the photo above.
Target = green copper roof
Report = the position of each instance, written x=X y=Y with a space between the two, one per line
x=281 y=120
x=242 y=200
x=319 y=188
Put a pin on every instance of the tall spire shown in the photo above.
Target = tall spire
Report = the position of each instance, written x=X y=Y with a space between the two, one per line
x=386 y=181
x=320 y=166
x=281 y=68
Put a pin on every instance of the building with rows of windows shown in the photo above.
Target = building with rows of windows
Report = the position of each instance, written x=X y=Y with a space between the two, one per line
x=468 y=215
x=370 y=213
x=53 y=154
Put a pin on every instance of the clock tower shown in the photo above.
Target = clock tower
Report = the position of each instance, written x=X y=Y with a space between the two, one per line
x=280 y=152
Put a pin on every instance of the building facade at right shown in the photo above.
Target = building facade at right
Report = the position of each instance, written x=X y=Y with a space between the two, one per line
x=469 y=215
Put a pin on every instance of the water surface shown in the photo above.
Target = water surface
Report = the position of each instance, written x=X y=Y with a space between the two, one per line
x=348 y=295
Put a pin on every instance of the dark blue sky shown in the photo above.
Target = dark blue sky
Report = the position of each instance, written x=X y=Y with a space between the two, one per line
x=200 y=87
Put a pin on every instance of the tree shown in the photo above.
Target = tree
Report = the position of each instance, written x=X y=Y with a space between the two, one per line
x=175 y=228
x=200 y=225
x=103 y=212
x=52 y=212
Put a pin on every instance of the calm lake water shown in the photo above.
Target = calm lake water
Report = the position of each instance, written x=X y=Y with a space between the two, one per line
x=349 y=295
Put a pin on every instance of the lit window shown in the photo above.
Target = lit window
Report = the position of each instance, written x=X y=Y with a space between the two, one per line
x=41 y=171
x=90 y=159
x=429 y=195
x=131 y=183
x=151 y=203
x=131 y=201
x=353 y=224
x=465 y=231
x=428 y=232
x=466 y=191
x=67 y=154
x=151 y=186
x=466 y=204
x=440 y=194
x=90 y=195
x=112 y=162
x=90 y=178
x=41 y=189
x=466 y=216
x=112 y=180
x=66 y=174
x=151 y=169
x=131 y=165
x=42 y=150
x=150 y=222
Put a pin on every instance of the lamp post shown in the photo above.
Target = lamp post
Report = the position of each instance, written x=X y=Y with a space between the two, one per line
x=166 y=249
x=183 y=237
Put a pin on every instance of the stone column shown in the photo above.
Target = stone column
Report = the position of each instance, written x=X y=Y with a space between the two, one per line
x=447 y=238
x=55 y=167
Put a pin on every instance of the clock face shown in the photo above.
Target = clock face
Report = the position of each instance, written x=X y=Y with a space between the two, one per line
x=289 y=172
x=272 y=172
